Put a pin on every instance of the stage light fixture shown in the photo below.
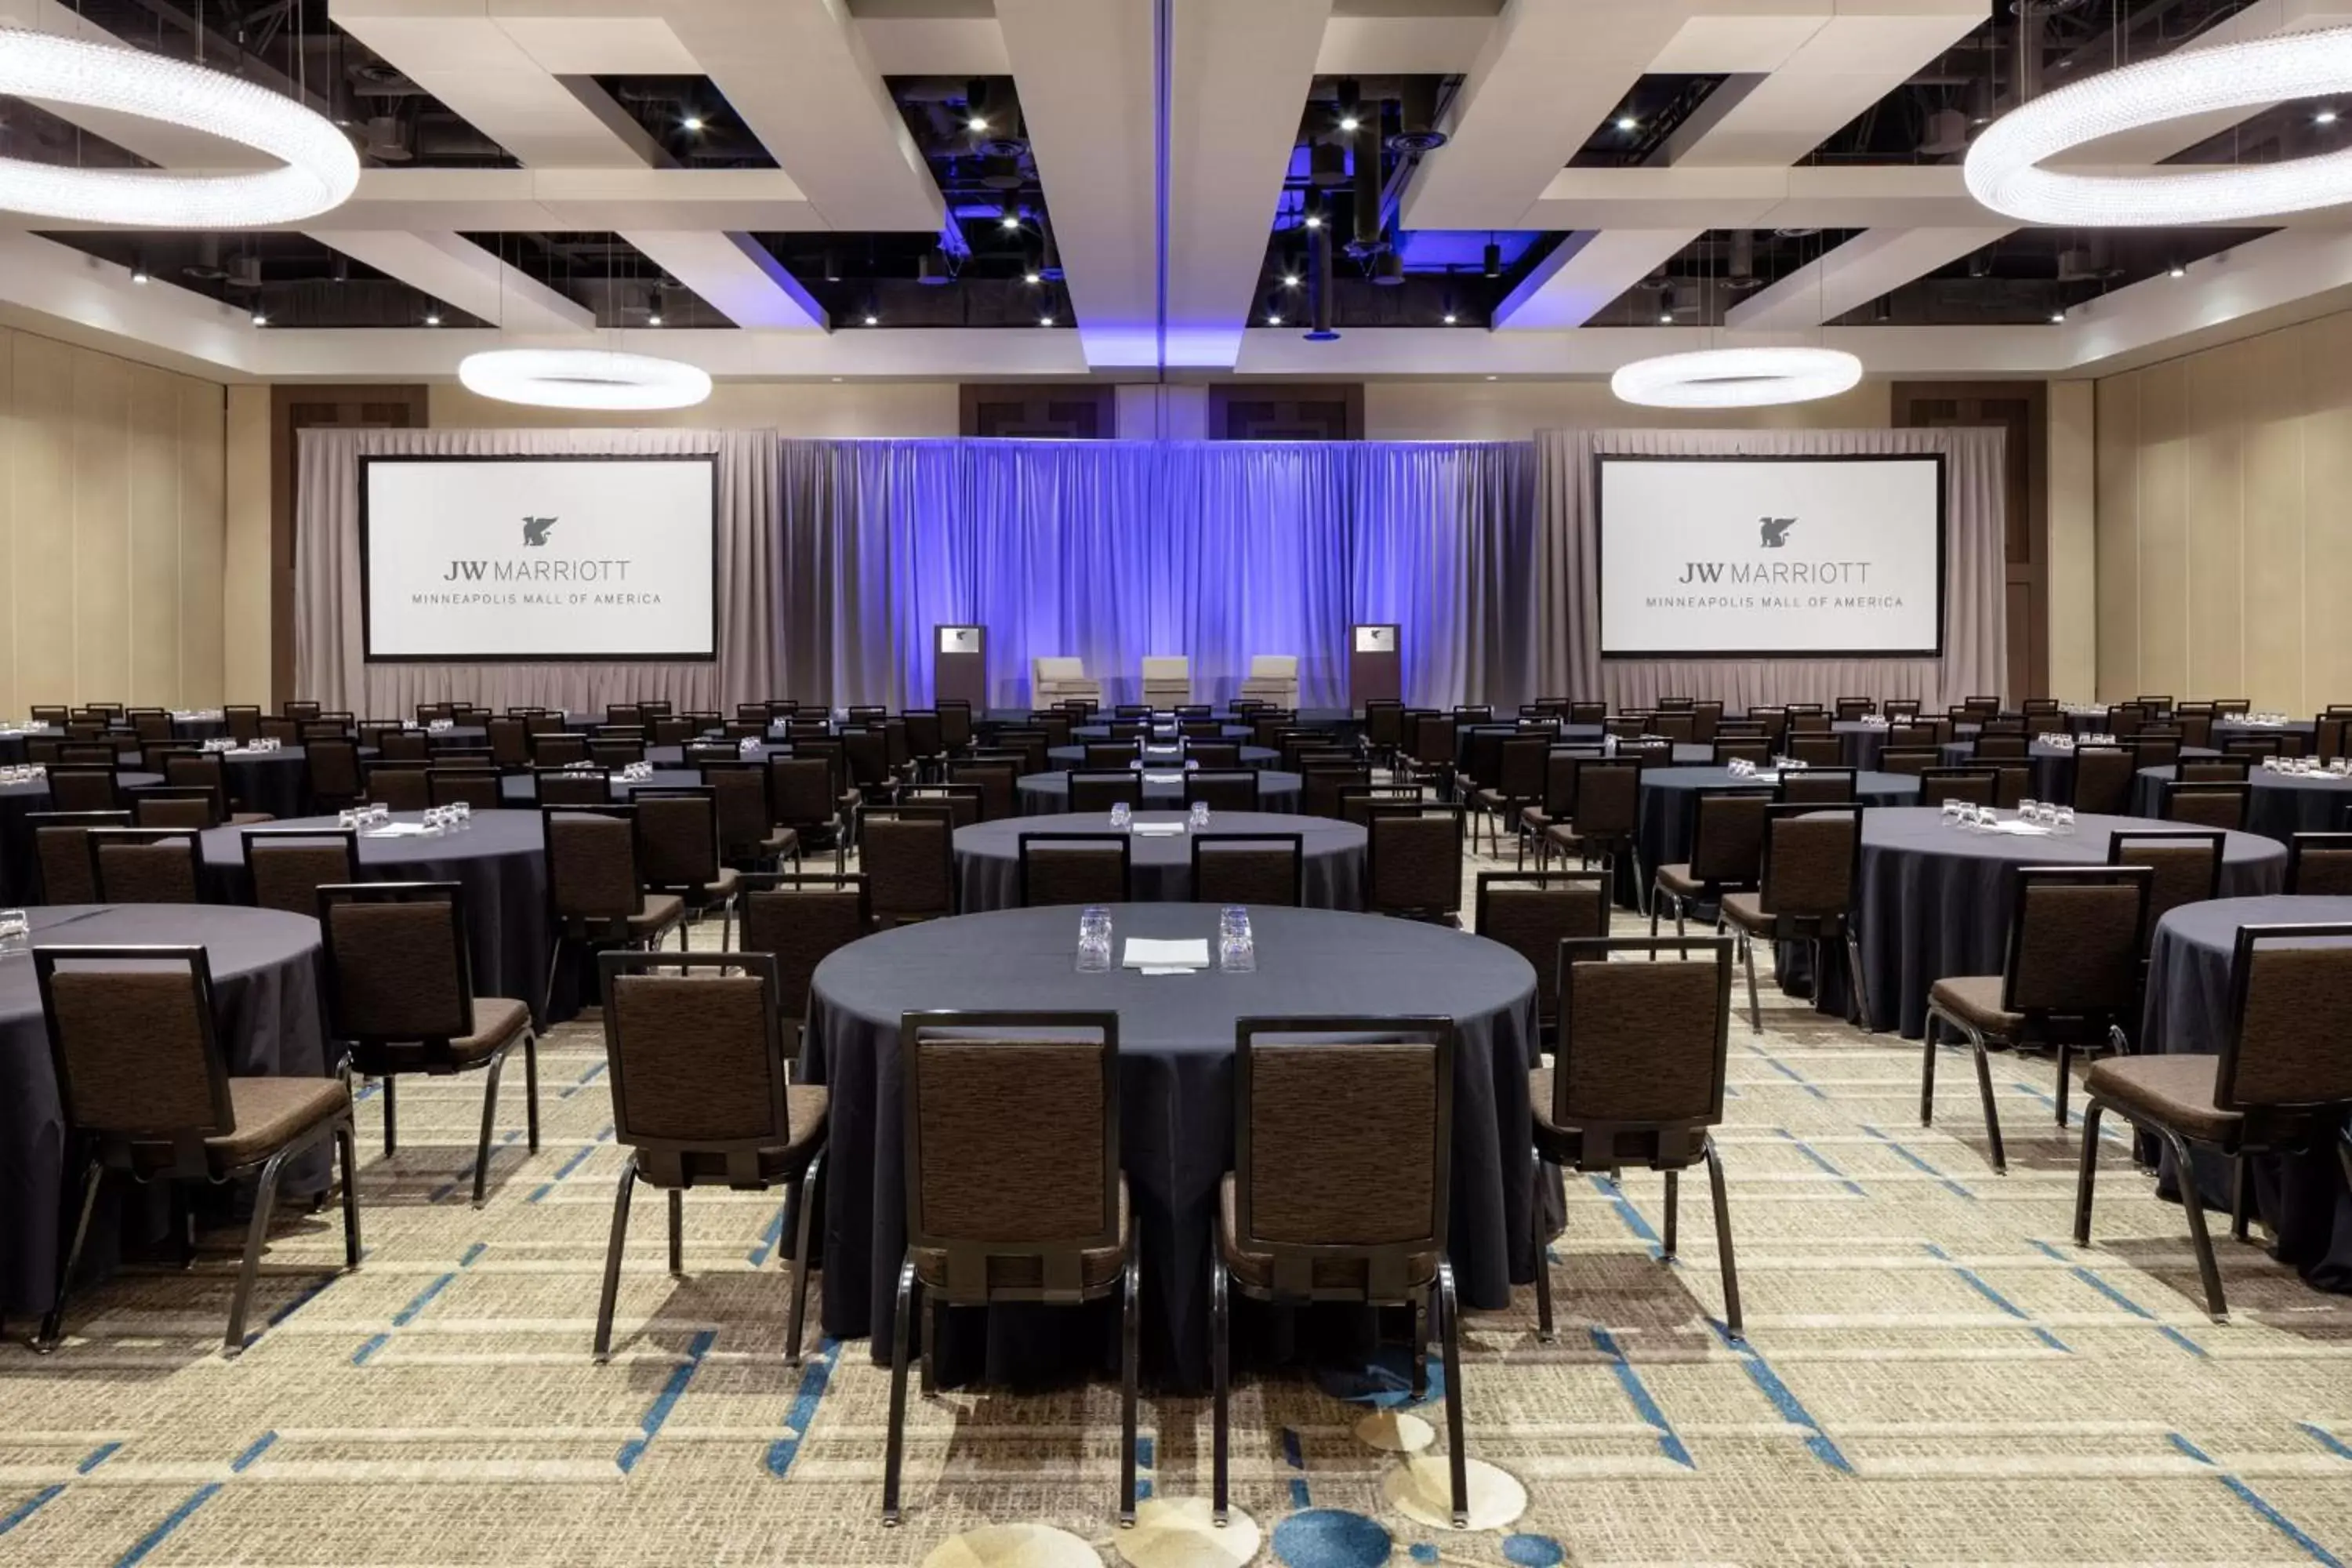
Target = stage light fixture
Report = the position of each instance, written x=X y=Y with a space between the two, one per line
x=2004 y=169
x=1736 y=378
x=1314 y=220
x=1626 y=123
x=2177 y=270
x=1033 y=278
x=1272 y=320
x=260 y=319
x=2325 y=117
x=1290 y=279
x=138 y=274
x=1044 y=321
x=432 y=318
x=1491 y=263
x=977 y=123
x=873 y=321
x=584 y=378
x=1451 y=318
x=691 y=122
x=1349 y=124
x=316 y=167
x=1012 y=218
x=654 y=319
x=2057 y=318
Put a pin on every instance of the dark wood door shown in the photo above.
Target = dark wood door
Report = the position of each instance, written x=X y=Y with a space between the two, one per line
x=1316 y=411
x=293 y=409
x=1076 y=413
x=2020 y=409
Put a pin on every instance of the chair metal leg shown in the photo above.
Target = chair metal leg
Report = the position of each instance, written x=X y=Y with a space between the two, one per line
x=53 y=1321
x=1130 y=1322
x=2086 y=1175
x=1853 y=974
x=1731 y=1318
x=1543 y=1260
x=1420 y=1346
x=257 y=1237
x=615 y=1245
x=1984 y=1092
x=531 y=1082
x=1748 y=959
x=934 y=1332
x=1668 y=1257
x=347 y=1145
x=1655 y=896
x=1927 y=1071
x=391 y=1114
x=489 y=1124
x=2241 y=1192
x=1220 y=1376
x=805 y=1194
x=554 y=967
x=2065 y=1078
x=1450 y=1331
x=678 y=1232
x=2208 y=1271
x=895 y=1453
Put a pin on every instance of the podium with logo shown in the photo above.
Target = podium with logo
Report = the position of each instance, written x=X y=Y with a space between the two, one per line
x=1375 y=665
x=959 y=665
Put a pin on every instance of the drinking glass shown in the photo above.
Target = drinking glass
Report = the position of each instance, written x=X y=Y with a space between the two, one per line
x=1200 y=817
x=1094 y=939
x=2063 y=819
x=15 y=932
x=1121 y=815
x=1236 y=947
x=2029 y=811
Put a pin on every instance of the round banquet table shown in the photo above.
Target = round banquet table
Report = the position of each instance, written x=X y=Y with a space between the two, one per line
x=2281 y=806
x=2301 y=1198
x=275 y=782
x=1934 y=899
x=520 y=791
x=198 y=726
x=1864 y=742
x=988 y=857
x=267 y=1009
x=1161 y=761
x=1048 y=795
x=2054 y=769
x=2239 y=729
x=12 y=742
x=1176 y=1043
x=674 y=756
x=501 y=861
x=1159 y=726
x=19 y=801
x=1670 y=804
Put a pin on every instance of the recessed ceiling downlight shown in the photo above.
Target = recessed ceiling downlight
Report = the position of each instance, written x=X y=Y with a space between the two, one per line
x=584 y=378
x=1736 y=378
x=318 y=169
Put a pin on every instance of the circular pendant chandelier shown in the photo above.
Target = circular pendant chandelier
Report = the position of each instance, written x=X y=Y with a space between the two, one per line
x=317 y=168
x=2004 y=173
x=1736 y=378
x=584 y=378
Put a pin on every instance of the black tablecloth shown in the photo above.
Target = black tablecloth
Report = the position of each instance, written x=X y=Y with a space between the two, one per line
x=1048 y=795
x=12 y=744
x=988 y=857
x=2239 y=729
x=1176 y=1124
x=1934 y=899
x=501 y=859
x=1864 y=743
x=19 y=878
x=2281 y=806
x=1164 y=760
x=266 y=993
x=2300 y=1198
x=1670 y=804
x=522 y=790
x=674 y=756
x=1165 y=727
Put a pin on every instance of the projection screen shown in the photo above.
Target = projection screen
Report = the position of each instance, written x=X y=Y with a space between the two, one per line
x=1743 y=557
x=586 y=557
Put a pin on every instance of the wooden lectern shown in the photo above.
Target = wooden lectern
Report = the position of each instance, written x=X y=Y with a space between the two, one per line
x=1375 y=666
x=959 y=665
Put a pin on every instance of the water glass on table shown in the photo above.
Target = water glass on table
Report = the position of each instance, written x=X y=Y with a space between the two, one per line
x=1121 y=815
x=1094 y=939
x=15 y=932
x=1236 y=945
x=1199 y=818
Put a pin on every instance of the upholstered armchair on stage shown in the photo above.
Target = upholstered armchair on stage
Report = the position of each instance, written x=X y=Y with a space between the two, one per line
x=1273 y=678
x=1167 y=683
x=1053 y=681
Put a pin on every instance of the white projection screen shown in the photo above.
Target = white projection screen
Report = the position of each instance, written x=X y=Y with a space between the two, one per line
x=487 y=559
x=1754 y=557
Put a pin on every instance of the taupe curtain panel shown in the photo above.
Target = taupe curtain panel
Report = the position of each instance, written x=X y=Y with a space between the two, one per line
x=329 y=663
x=1568 y=535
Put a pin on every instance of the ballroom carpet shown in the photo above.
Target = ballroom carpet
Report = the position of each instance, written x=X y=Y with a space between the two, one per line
x=1934 y=1375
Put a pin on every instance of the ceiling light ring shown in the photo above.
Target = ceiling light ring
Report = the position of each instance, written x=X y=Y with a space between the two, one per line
x=317 y=168
x=584 y=378
x=1736 y=378
x=2003 y=170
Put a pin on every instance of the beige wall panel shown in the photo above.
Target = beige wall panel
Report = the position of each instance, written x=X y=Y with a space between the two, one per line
x=2074 y=545
x=12 y=699
x=2163 y=531
x=203 y=535
x=2328 y=510
x=2213 y=496
x=102 y=522
x=2273 y=401
x=795 y=408
x=1514 y=410
x=244 y=568
x=153 y=566
x=2118 y=536
x=42 y=433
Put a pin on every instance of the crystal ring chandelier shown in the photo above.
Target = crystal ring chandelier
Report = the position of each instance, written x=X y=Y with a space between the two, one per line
x=318 y=170
x=1736 y=378
x=2004 y=172
x=584 y=378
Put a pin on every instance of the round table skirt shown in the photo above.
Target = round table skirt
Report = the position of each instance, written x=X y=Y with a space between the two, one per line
x=1076 y=757
x=1048 y=795
x=19 y=875
x=2280 y=806
x=1864 y=743
x=267 y=1008
x=1934 y=899
x=1176 y=1112
x=1669 y=810
x=988 y=857
x=2301 y=1198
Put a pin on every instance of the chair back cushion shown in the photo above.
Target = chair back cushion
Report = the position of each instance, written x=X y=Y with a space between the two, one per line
x=2292 y=1043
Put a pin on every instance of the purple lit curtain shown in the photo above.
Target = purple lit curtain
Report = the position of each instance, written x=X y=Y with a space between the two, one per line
x=1114 y=551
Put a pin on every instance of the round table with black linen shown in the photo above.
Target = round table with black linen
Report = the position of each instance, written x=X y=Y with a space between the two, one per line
x=1864 y=742
x=2225 y=730
x=1176 y=1047
x=520 y=791
x=1934 y=899
x=2300 y=1198
x=267 y=1010
x=1162 y=759
x=500 y=858
x=19 y=801
x=1158 y=727
x=988 y=857
x=1670 y=804
x=2280 y=806
x=1048 y=795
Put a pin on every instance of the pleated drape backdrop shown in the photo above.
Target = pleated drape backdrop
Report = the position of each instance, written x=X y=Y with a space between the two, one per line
x=836 y=559
x=1568 y=563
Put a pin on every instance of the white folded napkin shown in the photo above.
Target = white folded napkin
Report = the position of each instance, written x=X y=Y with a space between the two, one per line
x=1164 y=778
x=2029 y=829
x=400 y=830
x=1157 y=829
x=1152 y=954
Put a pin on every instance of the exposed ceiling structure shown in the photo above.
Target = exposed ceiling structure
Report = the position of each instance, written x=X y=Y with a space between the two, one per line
x=947 y=187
